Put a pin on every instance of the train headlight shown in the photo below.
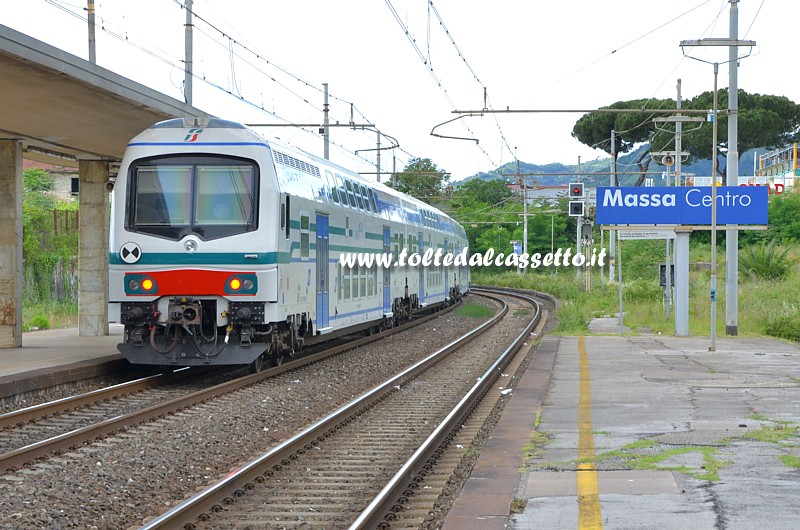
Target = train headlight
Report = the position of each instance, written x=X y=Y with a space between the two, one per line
x=140 y=284
x=241 y=284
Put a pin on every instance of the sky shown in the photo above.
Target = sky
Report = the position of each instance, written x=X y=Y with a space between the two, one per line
x=412 y=67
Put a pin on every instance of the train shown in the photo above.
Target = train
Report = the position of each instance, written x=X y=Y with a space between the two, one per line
x=224 y=249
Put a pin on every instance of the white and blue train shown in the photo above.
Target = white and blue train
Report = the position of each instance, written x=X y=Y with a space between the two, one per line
x=224 y=249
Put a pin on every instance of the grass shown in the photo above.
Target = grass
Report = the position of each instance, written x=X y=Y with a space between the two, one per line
x=473 y=310
x=55 y=315
x=518 y=505
x=642 y=454
x=775 y=433
x=766 y=307
x=534 y=449
x=790 y=461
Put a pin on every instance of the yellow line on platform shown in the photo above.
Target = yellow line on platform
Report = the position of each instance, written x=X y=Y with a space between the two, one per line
x=589 y=515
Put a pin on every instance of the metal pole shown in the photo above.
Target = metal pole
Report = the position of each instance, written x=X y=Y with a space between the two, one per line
x=681 y=245
x=378 y=161
x=92 y=41
x=732 y=170
x=578 y=227
x=524 y=213
x=187 y=79
x=667 y=275
x=713 y=293
x=326 y=130
x=619 y=269
x=612 y=233
x=602 y=272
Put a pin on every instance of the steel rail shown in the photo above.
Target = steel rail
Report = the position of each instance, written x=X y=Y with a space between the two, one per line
x=391 y=499
x=18 y=458
x=223 y=491
x=42 y=410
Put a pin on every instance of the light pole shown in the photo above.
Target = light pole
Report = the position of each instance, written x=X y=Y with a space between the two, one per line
x=713 y=346
x=732 y=169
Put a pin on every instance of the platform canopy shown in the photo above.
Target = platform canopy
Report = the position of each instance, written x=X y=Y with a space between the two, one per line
x=64 y=108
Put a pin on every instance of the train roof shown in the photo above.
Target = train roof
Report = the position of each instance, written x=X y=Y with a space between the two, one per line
x=397 y=199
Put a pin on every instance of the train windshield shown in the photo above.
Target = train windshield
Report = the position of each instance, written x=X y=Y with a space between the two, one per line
x=210 y=197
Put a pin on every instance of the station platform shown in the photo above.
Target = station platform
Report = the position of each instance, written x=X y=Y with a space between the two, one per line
x=639 y=432
x=62 y=355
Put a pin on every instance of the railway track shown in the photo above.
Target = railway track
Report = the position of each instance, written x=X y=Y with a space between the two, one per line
x=36 y=432
x=381 y=460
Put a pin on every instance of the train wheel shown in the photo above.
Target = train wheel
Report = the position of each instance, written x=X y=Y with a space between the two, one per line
x=257 y=365
x=276 y=359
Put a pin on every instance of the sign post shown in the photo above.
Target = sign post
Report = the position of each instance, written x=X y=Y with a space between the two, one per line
x=661 y=213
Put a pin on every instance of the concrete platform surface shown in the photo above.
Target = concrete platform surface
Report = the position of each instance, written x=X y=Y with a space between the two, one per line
x=62 y=355
x=641 y=432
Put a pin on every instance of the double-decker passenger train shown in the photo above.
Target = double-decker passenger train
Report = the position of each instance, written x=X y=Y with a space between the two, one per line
x=224 y=248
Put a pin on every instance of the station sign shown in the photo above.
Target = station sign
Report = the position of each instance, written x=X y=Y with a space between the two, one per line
x=740 y=205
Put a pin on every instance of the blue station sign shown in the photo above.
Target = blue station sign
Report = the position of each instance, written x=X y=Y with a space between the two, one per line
x=741 y=205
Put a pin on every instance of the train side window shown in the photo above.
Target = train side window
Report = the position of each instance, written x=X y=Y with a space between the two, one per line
x=347 y=273
x=372 y=201
x=362 y=281
x=304 y=236
x=359 y=197
x=339 y=282
x=366 y=198
x=342 y=191
x=357 y=193
x=332 y=184
x=288 y=216
x=351 y=196
x=283 y=216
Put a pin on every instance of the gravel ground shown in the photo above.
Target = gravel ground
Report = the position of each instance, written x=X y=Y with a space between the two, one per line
x=36 y=397
x=140 y=473
x=437 y=516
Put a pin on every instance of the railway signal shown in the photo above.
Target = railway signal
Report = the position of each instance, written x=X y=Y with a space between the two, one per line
x=576 y=208
x=576 y=204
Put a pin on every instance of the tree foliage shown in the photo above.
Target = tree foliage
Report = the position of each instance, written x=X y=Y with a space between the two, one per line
x=630 y=128
x=492 y=216
x=422 y=179
x=43 y=250
x=765 y=121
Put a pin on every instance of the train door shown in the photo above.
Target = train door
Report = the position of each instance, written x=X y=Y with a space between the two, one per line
x=322 y=271
x=421 y=271
x=446 y=272
x=387 y=287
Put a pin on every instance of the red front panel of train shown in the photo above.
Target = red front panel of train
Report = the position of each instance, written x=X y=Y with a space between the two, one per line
x=191 y=282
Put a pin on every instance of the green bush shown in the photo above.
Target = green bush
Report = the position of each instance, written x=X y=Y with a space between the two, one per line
x=642 y=291
x=765 y=260
x=784 y=327
x=40 y=322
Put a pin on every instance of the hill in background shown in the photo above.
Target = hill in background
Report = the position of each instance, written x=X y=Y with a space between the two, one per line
x=596 y=172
